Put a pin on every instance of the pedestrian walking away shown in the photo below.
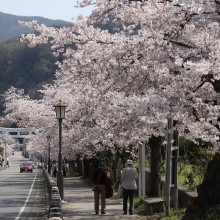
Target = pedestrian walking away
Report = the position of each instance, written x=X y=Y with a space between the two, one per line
x=129 y=176
x=7 y=162
x=54 y=169
x=99 y=177
x=64 y=169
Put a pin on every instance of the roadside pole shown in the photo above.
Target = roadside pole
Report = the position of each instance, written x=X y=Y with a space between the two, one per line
x=172 y=155
x=168 y=163
x=175 y=152
x=141 y=170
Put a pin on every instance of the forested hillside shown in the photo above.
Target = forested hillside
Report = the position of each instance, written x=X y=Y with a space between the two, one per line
x=20 y=66
x=25 y=68
x=10 y=28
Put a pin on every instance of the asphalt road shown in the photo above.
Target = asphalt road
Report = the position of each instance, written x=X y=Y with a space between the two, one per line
x=22 y=195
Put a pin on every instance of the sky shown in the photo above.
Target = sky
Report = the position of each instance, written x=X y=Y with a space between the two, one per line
x=52 y=9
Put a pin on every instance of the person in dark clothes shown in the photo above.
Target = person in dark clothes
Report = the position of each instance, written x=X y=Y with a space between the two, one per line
x=99 y=177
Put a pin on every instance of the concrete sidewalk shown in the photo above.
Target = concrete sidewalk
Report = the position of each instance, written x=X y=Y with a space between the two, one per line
x=79 y=199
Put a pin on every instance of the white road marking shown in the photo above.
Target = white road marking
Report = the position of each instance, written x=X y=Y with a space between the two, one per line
x=22 y=209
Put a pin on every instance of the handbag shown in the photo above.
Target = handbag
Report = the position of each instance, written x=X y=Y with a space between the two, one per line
x=94 y=188
x=109 y=188
x=109 y=191
x=120 y=191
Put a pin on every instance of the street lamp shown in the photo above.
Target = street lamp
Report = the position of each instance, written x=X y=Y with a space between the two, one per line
x=60 y=115
x=48 y=165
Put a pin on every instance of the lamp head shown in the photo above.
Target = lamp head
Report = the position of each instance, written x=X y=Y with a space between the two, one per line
x=60 y=109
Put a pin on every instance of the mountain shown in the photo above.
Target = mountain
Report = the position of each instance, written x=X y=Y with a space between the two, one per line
x=20 y=66
x=10 y=28
x=25 y=68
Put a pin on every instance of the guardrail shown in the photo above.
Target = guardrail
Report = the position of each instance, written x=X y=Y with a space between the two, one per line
x=54 y=200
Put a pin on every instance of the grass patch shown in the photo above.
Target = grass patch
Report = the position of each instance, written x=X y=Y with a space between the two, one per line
x=175 y=214
x=73 y=173
x=189 y=177
x=212 y=216
x=139 y=207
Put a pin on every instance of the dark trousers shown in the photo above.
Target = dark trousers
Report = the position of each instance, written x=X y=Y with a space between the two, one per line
x=54 y=174
x=128 y=194
x=64 y=172
x=101 y=190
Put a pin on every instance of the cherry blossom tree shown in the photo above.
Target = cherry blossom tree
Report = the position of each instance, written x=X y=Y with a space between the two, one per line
x=121 y=87
x=7 y=142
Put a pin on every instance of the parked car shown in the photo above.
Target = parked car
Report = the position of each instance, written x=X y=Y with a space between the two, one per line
x=26 y=166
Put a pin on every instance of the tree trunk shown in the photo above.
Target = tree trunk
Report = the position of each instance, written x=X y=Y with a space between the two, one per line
x=155 y=149
x=208 y=192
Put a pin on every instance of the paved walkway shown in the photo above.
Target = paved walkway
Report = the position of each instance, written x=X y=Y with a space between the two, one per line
x=80 y=203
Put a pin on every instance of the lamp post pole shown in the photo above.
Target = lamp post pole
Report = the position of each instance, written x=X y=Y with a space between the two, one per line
x=60 y=170
x=49 y=167
x=60 y=115
x=5 y=162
